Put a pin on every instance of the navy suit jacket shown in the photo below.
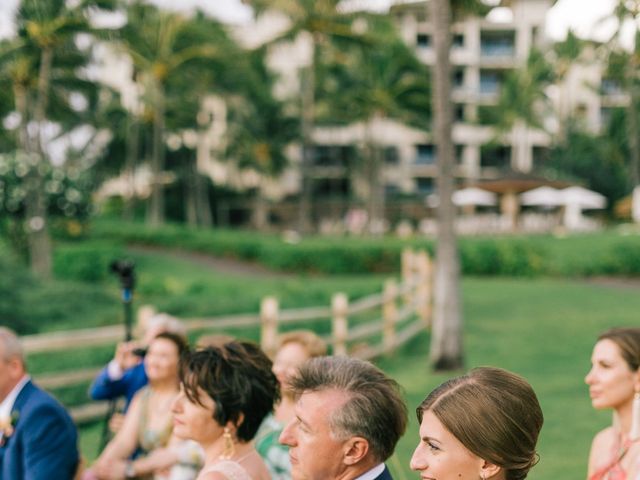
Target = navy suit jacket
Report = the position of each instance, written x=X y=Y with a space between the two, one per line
x=44 y=443
x=385 y=475
x=103 y=388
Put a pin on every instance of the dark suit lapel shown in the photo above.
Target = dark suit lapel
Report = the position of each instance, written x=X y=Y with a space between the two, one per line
x=20 y=402
x=385 y=475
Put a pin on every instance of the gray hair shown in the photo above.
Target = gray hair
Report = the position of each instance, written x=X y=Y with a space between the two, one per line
x=374 y=409
x=12 y=346
x=167 y=323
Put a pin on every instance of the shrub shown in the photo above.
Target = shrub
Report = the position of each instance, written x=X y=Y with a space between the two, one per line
x=85 y=262
x=14 y=282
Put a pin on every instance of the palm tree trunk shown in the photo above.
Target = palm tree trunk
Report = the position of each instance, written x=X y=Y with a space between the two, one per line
x=305 y=222
x=375 y=202
x=133 y=149
x=190 y=196
x=446 y=339
x=156 y=207
x=203 y=202
x=37 y=229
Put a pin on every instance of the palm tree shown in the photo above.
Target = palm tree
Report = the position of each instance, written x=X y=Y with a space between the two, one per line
x=446 y=340
x=41 y=64
x=523 y=102
x=260 y=129
x=565 y=55
x=379 y=80
x=162 y=45
x=446 y=351
x=322 y=21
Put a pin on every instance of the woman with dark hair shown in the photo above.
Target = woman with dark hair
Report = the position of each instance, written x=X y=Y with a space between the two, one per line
x=226 y=391
x=484 y=424
x=614 y=382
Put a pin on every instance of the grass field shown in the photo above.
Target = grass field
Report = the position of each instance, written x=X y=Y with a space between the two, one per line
x=543 y=329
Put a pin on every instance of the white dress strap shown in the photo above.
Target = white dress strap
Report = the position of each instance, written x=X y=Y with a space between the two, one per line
x=230 y=469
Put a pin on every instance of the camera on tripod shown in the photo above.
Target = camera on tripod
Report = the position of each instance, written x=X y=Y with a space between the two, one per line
x=125 y=271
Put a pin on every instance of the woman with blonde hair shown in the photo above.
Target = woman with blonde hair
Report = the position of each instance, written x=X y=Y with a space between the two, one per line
x=614 y=382
x=294 y=349
x=482 y=425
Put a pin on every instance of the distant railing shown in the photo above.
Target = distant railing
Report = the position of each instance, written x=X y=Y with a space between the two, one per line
x=400 y=312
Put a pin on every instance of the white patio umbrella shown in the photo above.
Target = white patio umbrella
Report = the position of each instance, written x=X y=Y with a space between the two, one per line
x=583 y=198
x=474 y=196
x=542 y=196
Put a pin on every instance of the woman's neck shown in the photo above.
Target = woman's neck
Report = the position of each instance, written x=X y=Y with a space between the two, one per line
x=624 y=413
x=164 y=386
x=215 y=450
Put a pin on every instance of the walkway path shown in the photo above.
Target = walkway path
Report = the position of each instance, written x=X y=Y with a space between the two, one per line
x=223 y=265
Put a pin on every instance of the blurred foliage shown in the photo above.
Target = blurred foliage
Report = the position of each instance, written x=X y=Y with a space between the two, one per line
x=85 y=262
x=575 y=255
x=600 y=161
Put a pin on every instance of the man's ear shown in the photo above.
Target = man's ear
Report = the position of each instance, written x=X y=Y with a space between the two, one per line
x=16 y=368
x=355 y=449
x=488 y=470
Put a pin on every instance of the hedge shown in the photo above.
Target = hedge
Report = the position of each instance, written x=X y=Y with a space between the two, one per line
x=585 y=255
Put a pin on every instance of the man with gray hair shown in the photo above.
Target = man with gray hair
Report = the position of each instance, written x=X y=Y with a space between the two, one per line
x=348 y=418
x=38 y=439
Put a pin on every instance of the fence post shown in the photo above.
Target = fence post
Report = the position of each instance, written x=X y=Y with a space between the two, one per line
x=423 y=291
x=407 y=273
x=269 y=324
x=340 y=328
x=389 y=315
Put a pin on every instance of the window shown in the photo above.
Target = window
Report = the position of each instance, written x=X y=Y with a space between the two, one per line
x=423 y=40
x=458 y=112
x=458 y=78
x=391 y=190
x=497 y=44
x=541 y=157
x=495 y=156
x=610 y=86
x=457 y=41
x=490 y=82
x=425 y=185
x=391 y=155
x=459 y=152
x=331 y=187
x=332 y=155
x=425 y=154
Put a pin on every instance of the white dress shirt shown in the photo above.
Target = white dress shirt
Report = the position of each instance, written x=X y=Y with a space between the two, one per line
x=373 y=473
x=7 y=404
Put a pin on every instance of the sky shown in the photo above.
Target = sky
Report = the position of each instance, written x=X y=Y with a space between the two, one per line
x=580 y=15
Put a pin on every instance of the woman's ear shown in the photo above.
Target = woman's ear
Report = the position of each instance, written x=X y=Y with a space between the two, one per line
x=489 y=470
x=234 y=426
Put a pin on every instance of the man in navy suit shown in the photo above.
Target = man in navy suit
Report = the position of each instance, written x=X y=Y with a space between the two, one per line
x=349 y=417
x=38 y=439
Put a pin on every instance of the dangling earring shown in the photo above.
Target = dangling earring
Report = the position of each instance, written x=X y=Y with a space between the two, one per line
x=634 y=433
x=229 y=446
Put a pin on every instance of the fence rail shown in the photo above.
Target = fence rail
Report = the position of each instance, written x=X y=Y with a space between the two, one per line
x=398 y=313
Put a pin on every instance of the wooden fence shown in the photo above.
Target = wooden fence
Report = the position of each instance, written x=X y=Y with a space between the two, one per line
x=392 y=317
